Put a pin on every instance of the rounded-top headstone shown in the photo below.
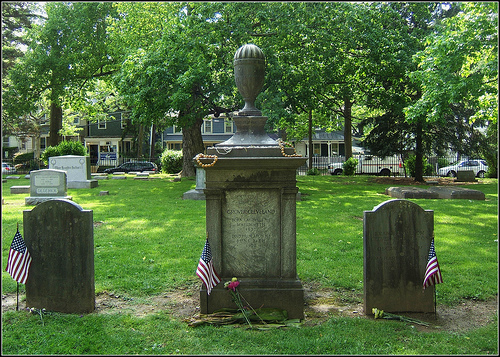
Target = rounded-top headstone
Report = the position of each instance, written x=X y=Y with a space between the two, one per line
x=249 y=71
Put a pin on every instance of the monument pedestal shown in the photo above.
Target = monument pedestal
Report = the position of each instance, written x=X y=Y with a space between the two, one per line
x=251 y=225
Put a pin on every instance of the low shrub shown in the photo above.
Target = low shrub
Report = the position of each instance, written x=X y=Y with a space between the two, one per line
x=171 y=161
x=312 y=172
x=64 y=148
x=349 y=166
x=410 y=166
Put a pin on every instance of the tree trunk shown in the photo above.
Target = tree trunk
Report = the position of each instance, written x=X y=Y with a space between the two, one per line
x=347 y=128
x=311 y=149
x=192 y=145
x=140 y=138
x=418 y=153
x=55 y=123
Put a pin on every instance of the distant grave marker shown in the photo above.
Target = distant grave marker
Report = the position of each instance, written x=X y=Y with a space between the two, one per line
x=46 y=185
x=77 y=169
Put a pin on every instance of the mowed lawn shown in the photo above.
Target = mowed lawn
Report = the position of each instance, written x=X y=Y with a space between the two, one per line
x=148 y=241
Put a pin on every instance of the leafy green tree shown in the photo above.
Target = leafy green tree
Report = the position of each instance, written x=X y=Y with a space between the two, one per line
x=187 y=75
x=17 y=17
x=458 y=73
x=65 y=52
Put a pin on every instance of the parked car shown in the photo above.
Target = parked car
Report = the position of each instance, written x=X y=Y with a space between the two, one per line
x=374 y=165
x=480 y=167
x=7 y=169
x=133 y=167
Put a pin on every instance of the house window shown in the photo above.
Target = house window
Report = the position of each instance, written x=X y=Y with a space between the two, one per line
x=123 y=120
x=316 y=149
x=101 y=124
x=174 y=146
x=44 y=119
x=228 y=126
x=207 y=127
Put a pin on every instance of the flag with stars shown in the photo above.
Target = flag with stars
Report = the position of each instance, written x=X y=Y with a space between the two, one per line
x=432 y=272
x=206 y=270
x=19 y=261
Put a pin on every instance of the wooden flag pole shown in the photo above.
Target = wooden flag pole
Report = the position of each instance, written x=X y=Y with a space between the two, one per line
x=435 y=302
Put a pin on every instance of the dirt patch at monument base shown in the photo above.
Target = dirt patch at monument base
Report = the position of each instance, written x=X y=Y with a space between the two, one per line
x=320 y=305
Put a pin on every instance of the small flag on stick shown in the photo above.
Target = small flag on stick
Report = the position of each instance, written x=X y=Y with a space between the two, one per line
x=432 y=272
x=19 y=261
x=206 y=270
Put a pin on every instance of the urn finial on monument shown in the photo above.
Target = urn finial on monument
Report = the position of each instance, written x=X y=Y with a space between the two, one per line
x=249 y=71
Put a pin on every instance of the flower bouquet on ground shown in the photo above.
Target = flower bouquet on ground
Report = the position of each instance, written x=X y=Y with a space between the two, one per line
x=380 y=314
x=261 y=319
x=246 y=310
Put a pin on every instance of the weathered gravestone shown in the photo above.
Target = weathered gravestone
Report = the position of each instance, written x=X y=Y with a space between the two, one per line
x=77 y=169
x=59 y=236
x=46 y=185
x=251 y=205
x=397 y=236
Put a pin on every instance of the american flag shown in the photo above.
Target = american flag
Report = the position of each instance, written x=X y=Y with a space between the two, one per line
x=206 y=270
x=19 y=261
x=432 y=272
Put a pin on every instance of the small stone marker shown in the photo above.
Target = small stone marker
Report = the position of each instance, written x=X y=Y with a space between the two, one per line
x=77 y=169
x=141 y=176
x=104 y=193
x=466 y=176
x=397 y=236
x=46 y=185
x=59 y=236
x=19 y=189
x=99 y=176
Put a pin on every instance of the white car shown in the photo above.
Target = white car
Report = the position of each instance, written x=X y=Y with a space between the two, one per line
x=478 y=166
x=368 y=164
x=7 y=169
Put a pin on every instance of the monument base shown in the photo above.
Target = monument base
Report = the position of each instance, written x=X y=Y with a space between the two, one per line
x=193 y=195
x=281 y=294
x=83 y=184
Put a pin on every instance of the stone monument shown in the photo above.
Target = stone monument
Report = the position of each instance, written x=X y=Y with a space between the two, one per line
x=59 y=235
x=197 y=192
x=250 y=190
x=46 y=185
x=397 y=236
x=77 y=169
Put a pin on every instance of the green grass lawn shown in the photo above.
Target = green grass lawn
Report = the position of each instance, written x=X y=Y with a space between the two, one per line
x=148 y=241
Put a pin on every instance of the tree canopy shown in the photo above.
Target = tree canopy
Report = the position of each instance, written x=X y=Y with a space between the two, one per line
x=411 y=76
